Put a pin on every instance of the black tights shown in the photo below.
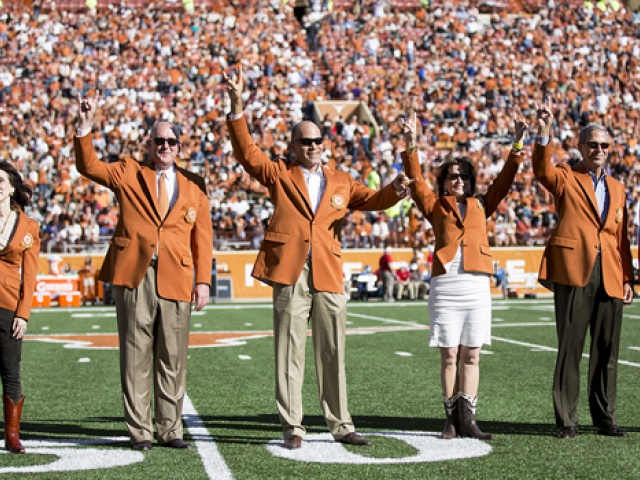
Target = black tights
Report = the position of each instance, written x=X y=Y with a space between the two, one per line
x=10 y=356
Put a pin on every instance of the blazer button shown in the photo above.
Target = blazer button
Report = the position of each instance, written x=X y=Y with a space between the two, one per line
x=153 y=245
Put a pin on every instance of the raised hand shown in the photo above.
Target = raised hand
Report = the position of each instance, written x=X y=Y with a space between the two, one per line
x=545 y=118
x=235 y=85
x=87 y=107
x=401 y=183
x=409 y=126
x=520 y=125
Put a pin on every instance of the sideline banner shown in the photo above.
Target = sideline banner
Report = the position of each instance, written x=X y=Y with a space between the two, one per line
x=521 y=266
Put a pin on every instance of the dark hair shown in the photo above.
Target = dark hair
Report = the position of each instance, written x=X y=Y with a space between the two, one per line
x=23 y=192
x=466 y=167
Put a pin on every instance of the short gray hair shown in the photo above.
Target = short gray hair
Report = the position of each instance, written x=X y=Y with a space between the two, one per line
x=586 y=132
x=174 y=129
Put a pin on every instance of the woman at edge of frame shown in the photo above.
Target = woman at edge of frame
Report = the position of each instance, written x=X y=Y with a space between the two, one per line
x=19 y=248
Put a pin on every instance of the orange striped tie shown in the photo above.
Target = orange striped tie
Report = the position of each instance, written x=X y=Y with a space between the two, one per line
x=163 y=196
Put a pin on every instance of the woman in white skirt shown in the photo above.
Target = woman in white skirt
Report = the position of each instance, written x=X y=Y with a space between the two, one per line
x=460 y=299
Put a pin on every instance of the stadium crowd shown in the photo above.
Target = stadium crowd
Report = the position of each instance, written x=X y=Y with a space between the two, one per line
x=465 y=73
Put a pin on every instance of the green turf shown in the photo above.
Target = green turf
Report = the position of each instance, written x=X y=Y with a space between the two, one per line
x=393 y=380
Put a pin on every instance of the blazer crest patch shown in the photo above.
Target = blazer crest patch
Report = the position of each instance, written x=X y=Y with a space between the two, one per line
x=27 y=241
x=337 y=202
x=190 y=216
x=619 y=215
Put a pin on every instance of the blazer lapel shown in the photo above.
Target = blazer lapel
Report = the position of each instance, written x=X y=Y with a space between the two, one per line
x=585 y=182
x=329 y=189
x=450 y=202
x=18 y=235
x=298 y=180
x=149 y=180
x=183 y=184
x=615 y=212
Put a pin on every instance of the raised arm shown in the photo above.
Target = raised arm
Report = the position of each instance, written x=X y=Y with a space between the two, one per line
x=502 y=183
x=87 y=163
x=550 y=177
x=235 y=85
x=86 y=111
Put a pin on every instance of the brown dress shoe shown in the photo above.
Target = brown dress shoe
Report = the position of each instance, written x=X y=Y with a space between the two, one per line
x=612 y=431
x=353 y=439
x=176 y=443
x=568 y=432
x=143 y=446
x=293 y=442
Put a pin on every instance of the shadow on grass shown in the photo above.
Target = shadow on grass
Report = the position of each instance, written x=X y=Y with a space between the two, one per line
x=86 y=427
x=315 y=424
x=256 y=429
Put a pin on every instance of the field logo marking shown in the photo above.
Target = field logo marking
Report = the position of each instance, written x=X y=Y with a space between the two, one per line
x=109 y=341
x=322 y=448
x=71 y=458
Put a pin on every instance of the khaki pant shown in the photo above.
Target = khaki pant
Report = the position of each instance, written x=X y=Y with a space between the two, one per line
x=153 y=335
x=293 y=307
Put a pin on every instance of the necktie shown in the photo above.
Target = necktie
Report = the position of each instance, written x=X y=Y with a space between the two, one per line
x=163 y=196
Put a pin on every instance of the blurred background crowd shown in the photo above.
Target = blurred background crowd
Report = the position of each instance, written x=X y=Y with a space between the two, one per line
x=467 y=68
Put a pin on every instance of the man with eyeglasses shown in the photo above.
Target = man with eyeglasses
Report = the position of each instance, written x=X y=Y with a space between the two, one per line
x=300 y=257
x=587 y=264
x=159 y=263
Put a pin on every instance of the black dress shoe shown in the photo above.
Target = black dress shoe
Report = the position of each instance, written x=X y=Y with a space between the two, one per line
x=353 y=439
x=612 y=431
x=143 y=446
x=293 y=442
x=568 y=432
x=176 y=443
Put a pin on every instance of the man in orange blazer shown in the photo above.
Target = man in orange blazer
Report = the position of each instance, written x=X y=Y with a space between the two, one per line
x=301 y=258
x=587 y=263
x=163 y=235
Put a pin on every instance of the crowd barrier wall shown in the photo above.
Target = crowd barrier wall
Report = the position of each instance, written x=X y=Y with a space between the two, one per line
x=234 y=269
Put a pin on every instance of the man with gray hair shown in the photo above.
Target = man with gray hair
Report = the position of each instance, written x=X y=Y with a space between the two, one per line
x=587 y=264
x=159 y=263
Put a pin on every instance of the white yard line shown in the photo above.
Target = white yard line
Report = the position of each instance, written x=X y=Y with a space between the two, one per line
x=213 y=462
x=552 y=349
x=385 y=320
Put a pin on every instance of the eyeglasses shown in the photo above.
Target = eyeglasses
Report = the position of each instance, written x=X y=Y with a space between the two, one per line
x=455 y=176
x=307 y=142
x=595 y=145
x=159 y=141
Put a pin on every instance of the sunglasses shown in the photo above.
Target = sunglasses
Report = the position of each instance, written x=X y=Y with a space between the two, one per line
x=455 y=176
x=595 y=145
x=307 y=142
x=159 y=141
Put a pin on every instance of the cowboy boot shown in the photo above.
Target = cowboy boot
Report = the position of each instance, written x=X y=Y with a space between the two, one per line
x=12 y=415
x=451 y=424
x=467 y=415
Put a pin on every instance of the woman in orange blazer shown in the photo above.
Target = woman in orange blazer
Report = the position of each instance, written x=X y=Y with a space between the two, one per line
x=19 y=247
x=460 y=299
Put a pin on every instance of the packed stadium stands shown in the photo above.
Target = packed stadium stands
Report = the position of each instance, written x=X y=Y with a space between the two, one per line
x=465 y=72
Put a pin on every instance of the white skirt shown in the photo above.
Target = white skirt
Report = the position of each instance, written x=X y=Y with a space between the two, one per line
x=460 y=307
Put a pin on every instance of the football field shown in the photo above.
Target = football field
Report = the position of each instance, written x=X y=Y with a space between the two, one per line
x=72 y=423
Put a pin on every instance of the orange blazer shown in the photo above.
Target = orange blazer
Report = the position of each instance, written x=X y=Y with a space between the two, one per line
x=293 y=228
x=572 y=248
x=19 y=266
x=185 y=235
x=449 y=227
